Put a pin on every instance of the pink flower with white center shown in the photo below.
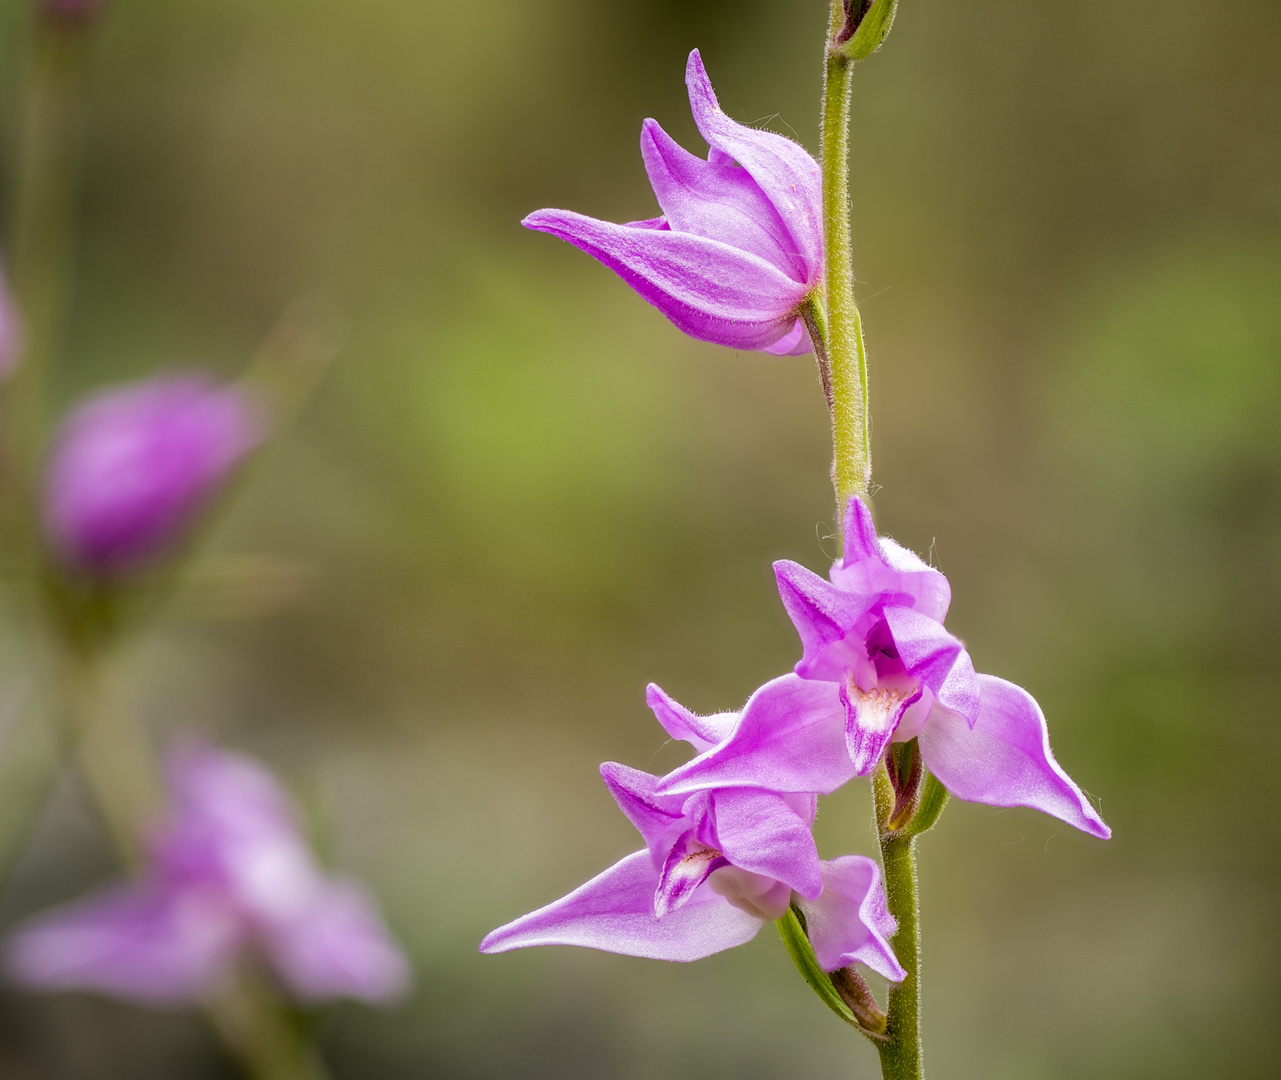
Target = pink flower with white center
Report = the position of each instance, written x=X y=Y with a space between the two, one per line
x=878 y=666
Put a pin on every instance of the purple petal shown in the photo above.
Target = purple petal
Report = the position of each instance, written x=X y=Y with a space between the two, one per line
x=689 y=863
x=935 y=657
x=928 y=587
x=1005 y=759
x=720 y=202
x=657 y=223
x=790 y=738
x=850 y=922
x=234 y=828
x=339 y=947
x=145 y=943
x=790 y=178
x=758 y=894
x=873 y=564
x=824 y=616
x=615 y=912
x=760 y=831
x=870 y=721
x=708 y=289
x=795 y=343
x=860 y=535
x=655 y=816
x=701 y=732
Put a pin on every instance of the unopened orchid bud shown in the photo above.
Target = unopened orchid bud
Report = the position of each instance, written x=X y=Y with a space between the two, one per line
x=132 y=468
x=867 y=23
x=854 y=991
x=10 y=332
x=903 y=764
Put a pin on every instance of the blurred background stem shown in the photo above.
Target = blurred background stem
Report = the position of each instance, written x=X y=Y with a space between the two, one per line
x=45 y=191
x=124 y=777
x=112 y=751
x=251 y=1020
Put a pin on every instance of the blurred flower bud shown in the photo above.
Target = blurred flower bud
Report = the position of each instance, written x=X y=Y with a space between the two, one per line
x=69 y=11
x=867 y=22
x=133 y=467
x=10 y=332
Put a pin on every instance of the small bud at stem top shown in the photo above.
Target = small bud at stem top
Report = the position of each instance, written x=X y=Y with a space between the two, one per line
x=865 y=26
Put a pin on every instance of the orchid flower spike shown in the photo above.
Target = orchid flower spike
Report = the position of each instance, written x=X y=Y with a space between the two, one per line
x=133 y=467
x=877 y=667
x=717 y=864
x=738 y=250
x=228 y=873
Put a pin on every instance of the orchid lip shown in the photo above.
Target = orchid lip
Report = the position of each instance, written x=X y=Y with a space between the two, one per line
x=872 y=716
x=688 y=865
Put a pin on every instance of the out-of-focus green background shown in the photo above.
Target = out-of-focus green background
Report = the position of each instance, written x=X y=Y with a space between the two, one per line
x=520 y=495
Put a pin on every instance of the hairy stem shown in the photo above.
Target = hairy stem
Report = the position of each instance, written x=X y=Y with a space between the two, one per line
x=847 y=359
x=901 y=1053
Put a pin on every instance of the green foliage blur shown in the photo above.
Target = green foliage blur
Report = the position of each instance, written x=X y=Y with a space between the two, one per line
x=520 y=495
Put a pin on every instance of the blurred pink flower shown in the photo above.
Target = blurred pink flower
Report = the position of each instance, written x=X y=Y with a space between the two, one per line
x=229 y=872
x=132 y=467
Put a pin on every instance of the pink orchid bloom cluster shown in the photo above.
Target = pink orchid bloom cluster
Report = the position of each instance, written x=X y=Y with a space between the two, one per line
x=728 y=841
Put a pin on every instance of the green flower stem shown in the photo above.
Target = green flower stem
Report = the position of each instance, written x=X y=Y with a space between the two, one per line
x=31 y=759
x=124 y=777
x=252 y=1022
x=901 y=1053
x=46 y=186
x=111 y=751
x=846 y=357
